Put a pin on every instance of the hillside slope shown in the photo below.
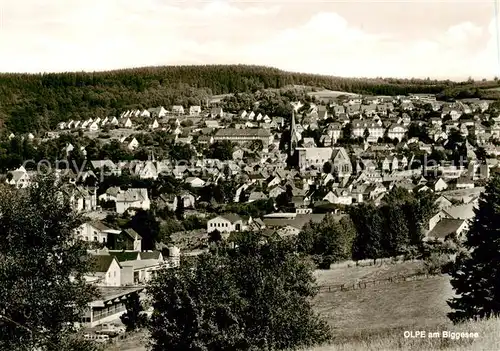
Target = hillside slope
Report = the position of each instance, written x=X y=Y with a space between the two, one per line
x=31 y=102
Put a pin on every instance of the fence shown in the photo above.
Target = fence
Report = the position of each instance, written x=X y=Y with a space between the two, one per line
x=368 y=283
x=372 y=262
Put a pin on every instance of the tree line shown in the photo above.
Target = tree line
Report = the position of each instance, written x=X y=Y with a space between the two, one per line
x=32 y=102
x=394 y=228
x=254 y=295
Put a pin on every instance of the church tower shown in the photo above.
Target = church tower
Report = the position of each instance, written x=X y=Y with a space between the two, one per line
x=294 y=141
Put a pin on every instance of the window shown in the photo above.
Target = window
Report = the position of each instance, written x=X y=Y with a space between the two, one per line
x=95 y=238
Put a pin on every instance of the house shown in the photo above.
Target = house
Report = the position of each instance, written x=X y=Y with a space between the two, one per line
x=360 y=127
x=438 y=185
x=126 y=123
x=339 y=196
x=19 y=178
x=132 y=198
x=465 y=182
x=107 y=269
x=178 y=109
x=442 y=202
x=157 y=112
x=227 y=223
x=96 y=231
x=154 y=125
x=216 y=112
x=109 y=306
x=133 y=144
x=212 y=124
x=447 y=228
x=194 y=110
x=147 y=170
x=274 y=192
x=195 y=182
x=396 y=131
x=244 y=135
x=128 y=239
x=94 y=126
x=256 y=195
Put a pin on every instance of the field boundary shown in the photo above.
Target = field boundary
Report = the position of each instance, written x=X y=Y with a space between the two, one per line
x=373 y=282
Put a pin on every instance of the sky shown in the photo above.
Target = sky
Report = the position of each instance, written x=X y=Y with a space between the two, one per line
x=443 y=39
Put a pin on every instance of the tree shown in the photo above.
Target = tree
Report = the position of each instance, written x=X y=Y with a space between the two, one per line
x=146 y=225
x=476 y=272
x=222 y=150
x=369 y=226
x=327 y=167
x=134 y=318
x=42 y=267
x=241 y=311
x=214 y=236
x=366 y=134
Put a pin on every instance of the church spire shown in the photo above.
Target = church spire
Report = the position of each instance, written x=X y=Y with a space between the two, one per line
x=293 y=134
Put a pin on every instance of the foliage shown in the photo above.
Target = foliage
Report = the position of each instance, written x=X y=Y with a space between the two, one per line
x=222 y=150
x=147 y=226
x=42 y=268
x=330 y=240
x=476 y=272
x=261 y=301
x=134 y=318
x=34 y=101
x=394 y=227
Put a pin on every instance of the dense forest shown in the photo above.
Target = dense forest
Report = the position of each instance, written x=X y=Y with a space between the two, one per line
x=33 y=102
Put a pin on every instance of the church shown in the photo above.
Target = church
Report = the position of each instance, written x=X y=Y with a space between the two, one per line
x=317 y=156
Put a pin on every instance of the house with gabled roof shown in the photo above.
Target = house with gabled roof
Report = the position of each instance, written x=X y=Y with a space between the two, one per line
x=158 y=112
x=226 y=223
x=216 y=112
x=107 y=269
x=132 y=198
x=194 y=110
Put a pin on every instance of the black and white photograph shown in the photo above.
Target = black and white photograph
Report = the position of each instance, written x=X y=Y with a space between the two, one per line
x=231 y=175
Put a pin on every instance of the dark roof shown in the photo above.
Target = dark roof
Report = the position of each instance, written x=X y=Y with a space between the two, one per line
x=243 y=133
x=150 y=255
x=298 y=222
x=102 y=262
x=445 y=227
x=232 y=217
x=132 y=233
x=122 y=256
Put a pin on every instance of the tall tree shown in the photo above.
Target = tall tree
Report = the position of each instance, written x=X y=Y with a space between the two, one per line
x=42 y=267
x=241 y=311
x=476 y=272
x=134 y=317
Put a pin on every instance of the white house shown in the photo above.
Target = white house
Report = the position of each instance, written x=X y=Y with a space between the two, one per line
x=108 y=269
x=94 y=126
x=127 y=123
x=145 y=113
x=396 y=131
x=95 y=231
x=178 y=109
x=132 y=198
x=194 y=110
x=19 y=178
x=227 y=223
x=195 y=182
x=134 y=144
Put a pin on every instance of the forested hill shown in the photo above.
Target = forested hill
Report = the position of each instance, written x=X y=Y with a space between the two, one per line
x=31 y=102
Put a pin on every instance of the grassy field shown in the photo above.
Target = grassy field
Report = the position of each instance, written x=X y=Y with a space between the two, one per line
x=343 y=275
x=374 y=317
x=488 y=338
